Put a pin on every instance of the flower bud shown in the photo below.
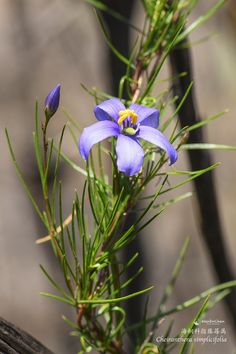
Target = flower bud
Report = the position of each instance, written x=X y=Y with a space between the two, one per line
x=52 y=101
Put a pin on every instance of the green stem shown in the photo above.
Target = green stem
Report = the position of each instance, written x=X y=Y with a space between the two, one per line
x=116 y=283
x=52 y=230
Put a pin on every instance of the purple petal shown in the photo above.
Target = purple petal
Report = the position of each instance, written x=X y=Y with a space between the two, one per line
x=96 y=133
x=109 y=109
x=146 y=116
x=52 y=101
x=155 y=137
x=129 y=155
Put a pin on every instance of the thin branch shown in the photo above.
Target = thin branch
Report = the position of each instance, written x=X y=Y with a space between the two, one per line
x=212 y=231
x=120 y=33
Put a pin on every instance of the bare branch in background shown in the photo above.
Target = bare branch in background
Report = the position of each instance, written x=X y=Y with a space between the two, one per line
x=16 y=341
x=209 y=214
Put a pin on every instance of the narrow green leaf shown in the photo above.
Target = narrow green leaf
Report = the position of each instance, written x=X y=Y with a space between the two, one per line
x=103 y=7
x=173 y=200
x=62 y=299
x=203 y=295
x=54 y=187
x=121 y=322
x=56 y=286
x=72 y=164
x=20 y=176
x=206 y=146
x=194 y=176
x=170 y=286
x=116 y=300
x=121 y=57
x=70 y=323
x=157 y=70
x=207 y=120
x=187 y=304
x=192 y=325
x=167 y=123
x=48 y=165
x=37 y=145
x=200 y=20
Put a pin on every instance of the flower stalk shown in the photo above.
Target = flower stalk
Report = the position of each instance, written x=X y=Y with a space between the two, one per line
x=51 y=106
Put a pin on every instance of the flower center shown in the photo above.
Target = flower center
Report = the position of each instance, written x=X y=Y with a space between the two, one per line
x=127 y=113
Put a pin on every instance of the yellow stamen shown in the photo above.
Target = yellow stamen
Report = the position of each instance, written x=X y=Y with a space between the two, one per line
x=127 y=113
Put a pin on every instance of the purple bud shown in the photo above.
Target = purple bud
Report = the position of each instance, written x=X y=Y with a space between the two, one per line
x=52 y=101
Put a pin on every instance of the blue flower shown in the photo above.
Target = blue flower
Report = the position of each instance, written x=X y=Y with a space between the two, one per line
x=52 y=101
x=128 y=126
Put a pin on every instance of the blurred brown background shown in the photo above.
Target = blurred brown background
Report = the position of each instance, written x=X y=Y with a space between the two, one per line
x=43 y=43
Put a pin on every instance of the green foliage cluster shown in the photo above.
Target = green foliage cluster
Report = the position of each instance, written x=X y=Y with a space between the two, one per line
x=88 y=249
